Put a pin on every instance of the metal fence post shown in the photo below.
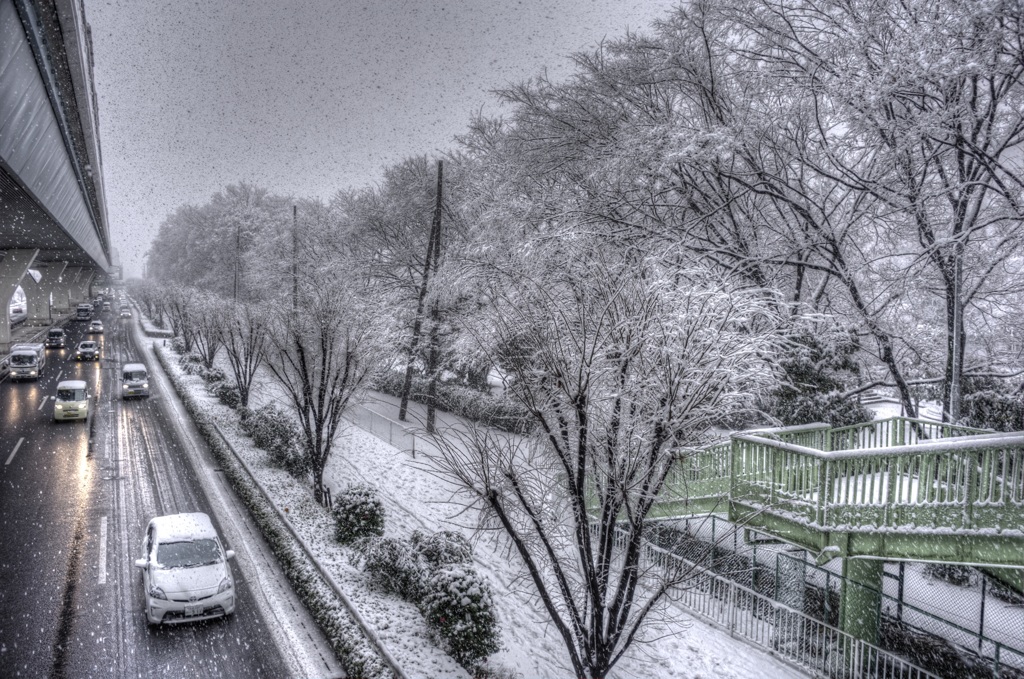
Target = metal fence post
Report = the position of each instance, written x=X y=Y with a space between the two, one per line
x=981 y=621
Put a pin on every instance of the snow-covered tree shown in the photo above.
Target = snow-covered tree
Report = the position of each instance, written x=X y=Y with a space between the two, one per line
x=624 y=361
x=323 y=354
x=244 y=336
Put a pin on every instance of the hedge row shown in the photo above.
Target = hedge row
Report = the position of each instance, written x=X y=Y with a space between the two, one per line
x=356 y=654
x=498 y=413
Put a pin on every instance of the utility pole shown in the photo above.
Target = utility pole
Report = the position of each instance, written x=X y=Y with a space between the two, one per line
x=238 y=251
x=295 y=258
x=433 y=247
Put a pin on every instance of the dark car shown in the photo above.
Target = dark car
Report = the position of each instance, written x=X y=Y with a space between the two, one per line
x=56 y=338
x=87 y=351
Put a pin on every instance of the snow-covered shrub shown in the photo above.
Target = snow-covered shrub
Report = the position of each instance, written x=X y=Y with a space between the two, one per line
x=191 y=363
x=992 y=409
x=499 y=413
x=211 y=375
x=458 y=606
x=391 y=565
x=275 y=432
x=1004 y=592
x=226 y=394
x=954 y=574
x=442 y=548
x=358 y=513
x=177 y=343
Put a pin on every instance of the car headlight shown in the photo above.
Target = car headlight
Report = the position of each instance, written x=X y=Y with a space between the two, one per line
x=124 y=386
x=58 y=407
x=157 y=593
x=225 y=585
x=145 y=385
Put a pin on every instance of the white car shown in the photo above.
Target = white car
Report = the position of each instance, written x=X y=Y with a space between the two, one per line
x=72 y=401
x=96 y=327
x=134 y=380
x=185 y=570
x=87 y=351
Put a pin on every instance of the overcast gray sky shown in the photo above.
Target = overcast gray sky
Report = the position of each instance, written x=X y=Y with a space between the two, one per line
x=308 y=97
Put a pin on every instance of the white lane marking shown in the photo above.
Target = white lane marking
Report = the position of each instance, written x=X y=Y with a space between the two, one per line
x=46 y=399
x=103 y=550
x=59 y=374
x=14 y=452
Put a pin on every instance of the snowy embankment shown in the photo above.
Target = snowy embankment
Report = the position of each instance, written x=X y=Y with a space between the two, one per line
x=677 y=646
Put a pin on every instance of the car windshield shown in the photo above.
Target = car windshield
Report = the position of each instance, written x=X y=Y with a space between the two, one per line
x=54 y=334
x=23 y=359
x=71 y=394
x=187 y=554
x=135 y=375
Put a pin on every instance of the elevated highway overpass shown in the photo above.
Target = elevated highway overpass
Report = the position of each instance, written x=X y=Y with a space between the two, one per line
x=52 y=206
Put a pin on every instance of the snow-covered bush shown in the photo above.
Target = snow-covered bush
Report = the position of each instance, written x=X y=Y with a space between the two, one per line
x=275 y=432
x=458 y=606
x=993 y=409
x=443 y=548
x=1004 y=592
x=226 y=394
x=954 y=574
x=391 y=566
x=211 y=375
x=499 y=413
x=191 y=363
x=358 y=513
x=177 y=344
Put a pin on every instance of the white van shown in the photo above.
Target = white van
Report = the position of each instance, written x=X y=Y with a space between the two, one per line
x=134 y=380
x=72 y=401
x=27 y=361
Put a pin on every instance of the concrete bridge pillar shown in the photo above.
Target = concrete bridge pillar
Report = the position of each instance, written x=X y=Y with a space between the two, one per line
x=860 y=602
x=62 y=290
x=80 y=279
x=13 y=268
x=38 y=293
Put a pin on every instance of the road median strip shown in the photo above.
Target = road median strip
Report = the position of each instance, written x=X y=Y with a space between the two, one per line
x=357 y=646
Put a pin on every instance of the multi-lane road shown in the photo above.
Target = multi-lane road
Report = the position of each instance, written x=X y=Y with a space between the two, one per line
x=73 y=507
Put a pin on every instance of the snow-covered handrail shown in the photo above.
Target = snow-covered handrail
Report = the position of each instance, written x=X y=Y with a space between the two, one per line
x=961 y=483
x=980 y=441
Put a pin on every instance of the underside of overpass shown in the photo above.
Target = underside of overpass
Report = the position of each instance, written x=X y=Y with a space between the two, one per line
x=52 y=206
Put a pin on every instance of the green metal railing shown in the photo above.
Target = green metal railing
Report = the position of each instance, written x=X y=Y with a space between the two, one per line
x=891 y=474
x=894 y=431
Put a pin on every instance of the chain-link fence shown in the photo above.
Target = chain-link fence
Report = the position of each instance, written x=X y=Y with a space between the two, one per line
x=952 y=620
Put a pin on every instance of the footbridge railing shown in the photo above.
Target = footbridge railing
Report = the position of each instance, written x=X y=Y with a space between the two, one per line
x=898 y=476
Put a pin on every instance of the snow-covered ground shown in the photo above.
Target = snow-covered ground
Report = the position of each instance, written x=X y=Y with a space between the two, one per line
x=677 y=646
